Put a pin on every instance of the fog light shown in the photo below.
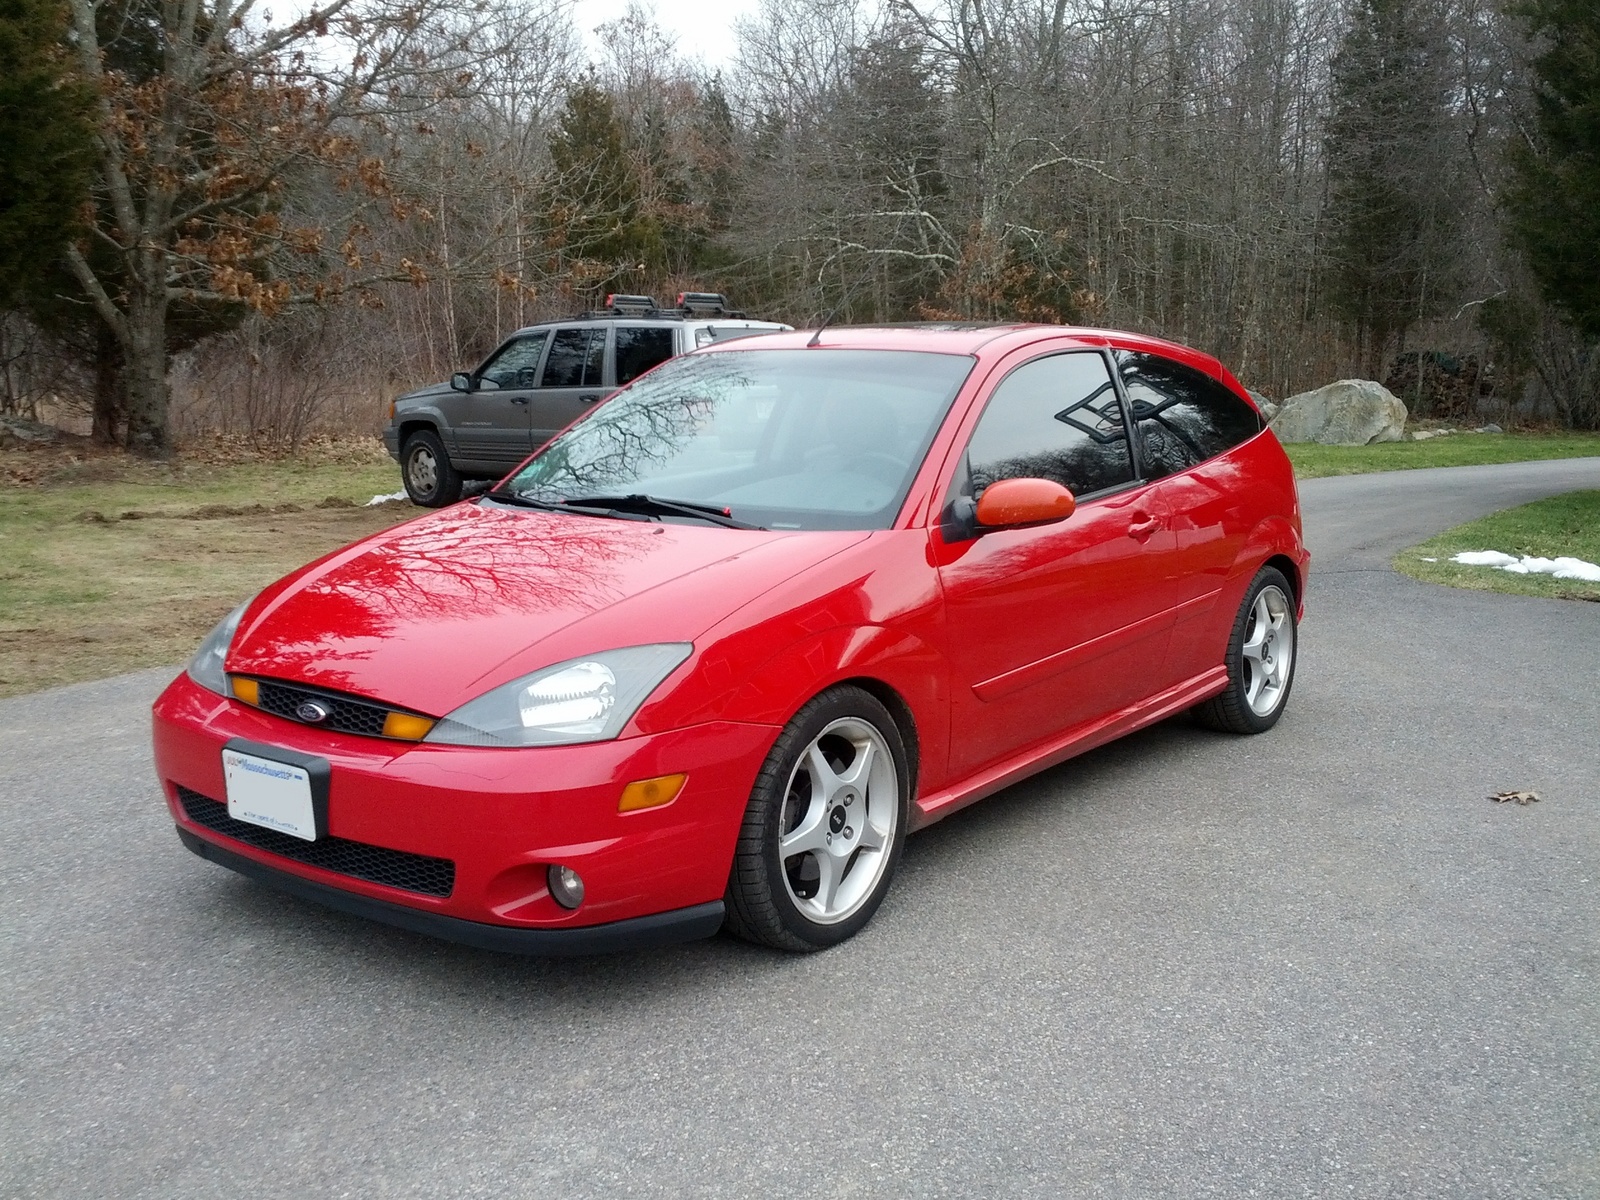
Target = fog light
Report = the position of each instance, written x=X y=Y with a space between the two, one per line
x=566 y=886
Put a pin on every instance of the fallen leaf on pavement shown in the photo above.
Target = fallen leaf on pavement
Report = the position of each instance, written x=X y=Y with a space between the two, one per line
x=1519 y=797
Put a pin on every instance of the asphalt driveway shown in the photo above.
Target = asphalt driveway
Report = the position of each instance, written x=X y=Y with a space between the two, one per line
x=1317 y=962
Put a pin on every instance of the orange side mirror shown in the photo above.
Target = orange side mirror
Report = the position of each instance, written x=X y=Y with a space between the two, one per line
x=1009 y=503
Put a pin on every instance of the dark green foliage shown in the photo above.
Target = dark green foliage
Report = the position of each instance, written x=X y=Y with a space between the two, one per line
x=1554 y=203
x=1394 y=169
x=596 y=212
x=45 y=151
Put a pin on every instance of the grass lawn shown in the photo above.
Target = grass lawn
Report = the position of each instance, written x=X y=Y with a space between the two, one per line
x=1457 y=450
x=108 y=565
x=1562 y=525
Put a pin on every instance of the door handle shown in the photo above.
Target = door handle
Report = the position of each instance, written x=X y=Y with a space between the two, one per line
x=519 y=399
x=1142 y=526
x=590 y=399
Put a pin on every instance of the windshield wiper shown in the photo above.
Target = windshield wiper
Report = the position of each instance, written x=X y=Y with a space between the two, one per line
x=507 y=496
x=659 y=506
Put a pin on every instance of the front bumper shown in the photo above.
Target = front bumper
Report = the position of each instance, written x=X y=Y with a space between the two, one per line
x=658 y=929
x=500 y=816
x=391 y=441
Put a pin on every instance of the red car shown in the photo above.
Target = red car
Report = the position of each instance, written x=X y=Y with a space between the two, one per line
x=707 y=658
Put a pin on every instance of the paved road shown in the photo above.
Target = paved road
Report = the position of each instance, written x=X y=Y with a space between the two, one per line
x=1314 y=963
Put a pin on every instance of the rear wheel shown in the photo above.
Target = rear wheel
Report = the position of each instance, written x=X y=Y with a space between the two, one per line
x=425 y=467
x=824 y=828
x=1260 y=660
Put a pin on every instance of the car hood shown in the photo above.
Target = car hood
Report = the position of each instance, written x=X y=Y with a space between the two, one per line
x=437 y=611
x=432 y=392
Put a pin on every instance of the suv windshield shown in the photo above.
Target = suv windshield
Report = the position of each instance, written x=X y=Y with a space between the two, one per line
x=786 y=439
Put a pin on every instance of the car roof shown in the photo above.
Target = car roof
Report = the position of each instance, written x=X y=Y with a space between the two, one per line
x=973 y=338
x=650 y=319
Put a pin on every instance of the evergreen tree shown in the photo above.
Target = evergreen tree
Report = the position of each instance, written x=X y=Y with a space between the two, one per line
x=596 y=214
x=1394 y=169
x=1554 y=203
x=45 y=148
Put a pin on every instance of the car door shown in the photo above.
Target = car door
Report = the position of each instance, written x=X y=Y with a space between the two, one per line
x=1052 y=626
x=1185 y=422
x=573 y=379
x=491 y=421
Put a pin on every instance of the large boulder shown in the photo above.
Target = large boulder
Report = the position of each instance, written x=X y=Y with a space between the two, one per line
x=1352 y=412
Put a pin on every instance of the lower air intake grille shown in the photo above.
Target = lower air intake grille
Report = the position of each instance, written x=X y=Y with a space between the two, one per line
x=375 y=864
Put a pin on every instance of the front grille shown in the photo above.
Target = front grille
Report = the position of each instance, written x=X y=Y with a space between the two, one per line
x=346 y=715
x=375 y=864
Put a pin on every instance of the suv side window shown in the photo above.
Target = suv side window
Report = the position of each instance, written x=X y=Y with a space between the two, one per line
x=1183 y=416
x=1054 y=418
x=517 y=363
x=577 y=358
x=639 y=348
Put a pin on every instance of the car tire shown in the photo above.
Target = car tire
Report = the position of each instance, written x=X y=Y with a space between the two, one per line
x=835 y=792
x=426 y=471
x=1263 y=650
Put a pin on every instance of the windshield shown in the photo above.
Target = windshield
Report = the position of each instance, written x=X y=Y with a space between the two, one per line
x=785 y=439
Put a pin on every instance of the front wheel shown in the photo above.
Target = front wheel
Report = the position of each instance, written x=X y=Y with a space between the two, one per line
x=1260 y=659
x=824 y=828
x=425 y=467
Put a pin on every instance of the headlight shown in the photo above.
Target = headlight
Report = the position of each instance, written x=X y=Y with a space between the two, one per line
x=586 y=699
x=205 y=668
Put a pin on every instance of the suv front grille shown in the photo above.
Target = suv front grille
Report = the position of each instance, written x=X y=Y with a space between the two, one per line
x=345 y=714
x=376 y=864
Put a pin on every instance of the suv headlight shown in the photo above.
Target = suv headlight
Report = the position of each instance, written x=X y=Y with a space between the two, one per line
x=205 y=668
x=586 y=699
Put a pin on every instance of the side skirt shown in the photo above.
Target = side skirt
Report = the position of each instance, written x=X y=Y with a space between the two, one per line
x=1075 y=741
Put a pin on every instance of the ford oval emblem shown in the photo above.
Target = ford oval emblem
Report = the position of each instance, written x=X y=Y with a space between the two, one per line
x=312 y=712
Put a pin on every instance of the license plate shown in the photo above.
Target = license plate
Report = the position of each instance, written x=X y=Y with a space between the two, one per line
x=274 y=795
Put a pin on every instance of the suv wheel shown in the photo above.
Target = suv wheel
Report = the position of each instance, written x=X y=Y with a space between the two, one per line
x=429 y=478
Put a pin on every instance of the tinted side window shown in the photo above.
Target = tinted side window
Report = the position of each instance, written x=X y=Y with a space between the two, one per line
x=1183 y=415
x=577 y=358
x=517 y=364
x=640 y=349
x=1054 y=418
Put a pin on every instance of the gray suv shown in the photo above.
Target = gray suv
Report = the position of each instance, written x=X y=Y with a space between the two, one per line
x=484 y=422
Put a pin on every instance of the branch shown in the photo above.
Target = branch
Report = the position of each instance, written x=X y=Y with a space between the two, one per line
x=103 y=304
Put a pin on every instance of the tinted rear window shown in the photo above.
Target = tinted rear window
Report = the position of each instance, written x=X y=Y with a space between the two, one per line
x=1183 y=416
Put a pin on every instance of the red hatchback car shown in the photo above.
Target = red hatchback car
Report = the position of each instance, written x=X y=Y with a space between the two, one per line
x=706 y=658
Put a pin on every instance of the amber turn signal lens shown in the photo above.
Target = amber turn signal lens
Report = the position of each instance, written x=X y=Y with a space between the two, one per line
x=406 y=727
x=651 y=793
x=247 y=690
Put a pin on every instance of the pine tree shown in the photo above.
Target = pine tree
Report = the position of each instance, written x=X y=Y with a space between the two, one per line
x=1394 y=165
x=1554 y=204
x=45 y=151
x=595 y=212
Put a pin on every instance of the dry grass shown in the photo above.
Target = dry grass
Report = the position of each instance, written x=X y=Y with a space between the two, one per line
x=109 y=564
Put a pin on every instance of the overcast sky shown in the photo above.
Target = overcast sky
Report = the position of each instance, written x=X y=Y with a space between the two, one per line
x=702 y=28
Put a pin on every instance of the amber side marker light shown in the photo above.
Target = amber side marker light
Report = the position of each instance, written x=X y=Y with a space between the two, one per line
x=406 y=727
x=247 y=690
x=651 y=793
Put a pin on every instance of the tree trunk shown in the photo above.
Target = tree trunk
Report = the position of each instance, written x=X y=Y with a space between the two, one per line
x=109 y=396
x=146 y=376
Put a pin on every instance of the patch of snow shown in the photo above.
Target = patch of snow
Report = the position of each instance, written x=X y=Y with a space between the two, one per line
x=376 y=500
x=1563 y=567
x=1425 y=558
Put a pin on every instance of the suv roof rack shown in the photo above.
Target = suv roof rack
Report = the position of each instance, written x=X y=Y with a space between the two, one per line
x=689 y=304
